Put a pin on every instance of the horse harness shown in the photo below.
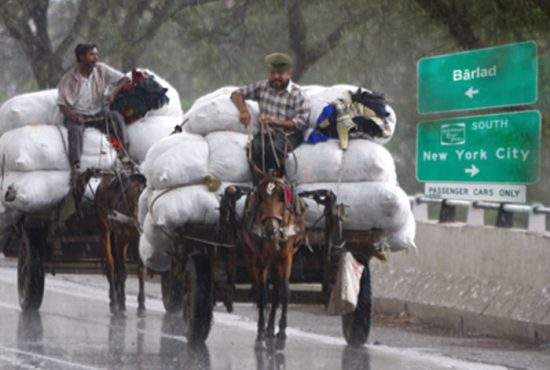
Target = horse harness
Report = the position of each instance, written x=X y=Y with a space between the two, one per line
x=293 y=206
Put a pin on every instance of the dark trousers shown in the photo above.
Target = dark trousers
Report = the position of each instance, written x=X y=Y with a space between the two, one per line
x=109 y=122
x=283 y=143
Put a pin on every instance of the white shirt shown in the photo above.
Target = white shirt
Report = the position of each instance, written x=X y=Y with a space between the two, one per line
x=85 y=103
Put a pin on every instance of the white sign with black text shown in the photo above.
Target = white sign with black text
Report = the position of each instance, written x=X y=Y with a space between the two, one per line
x=489 y=192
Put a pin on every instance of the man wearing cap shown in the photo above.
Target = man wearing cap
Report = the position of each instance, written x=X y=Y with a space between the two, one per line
x=283 y=108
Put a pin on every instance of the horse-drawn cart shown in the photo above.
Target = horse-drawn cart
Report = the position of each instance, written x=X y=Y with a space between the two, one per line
x=45 y=243
x=205 y=261
x=331 y=241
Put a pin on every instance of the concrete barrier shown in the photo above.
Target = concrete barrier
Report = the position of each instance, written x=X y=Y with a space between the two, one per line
x=478 y=279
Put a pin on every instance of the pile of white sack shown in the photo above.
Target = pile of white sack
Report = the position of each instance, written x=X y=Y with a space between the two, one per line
x=34 y=148
x=213 y=143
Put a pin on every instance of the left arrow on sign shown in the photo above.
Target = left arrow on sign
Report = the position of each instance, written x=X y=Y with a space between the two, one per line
x=471 y=92
x=472 y=170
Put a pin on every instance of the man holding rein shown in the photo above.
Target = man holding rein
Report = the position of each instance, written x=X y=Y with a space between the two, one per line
x=282 y=107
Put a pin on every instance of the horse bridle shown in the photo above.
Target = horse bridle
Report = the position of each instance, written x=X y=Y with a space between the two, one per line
x=284 y=230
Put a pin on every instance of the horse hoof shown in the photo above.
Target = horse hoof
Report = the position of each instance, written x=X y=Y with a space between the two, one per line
x=281 y=341
x=141 y=311
x=260 y=345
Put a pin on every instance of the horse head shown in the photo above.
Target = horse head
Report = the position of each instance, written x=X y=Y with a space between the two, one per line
x=273 y=196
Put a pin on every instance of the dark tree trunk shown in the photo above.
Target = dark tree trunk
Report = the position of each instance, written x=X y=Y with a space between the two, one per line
x=307 y=55
x=297 y=33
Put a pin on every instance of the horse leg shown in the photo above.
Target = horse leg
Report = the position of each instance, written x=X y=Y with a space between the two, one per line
x=275 y=295
x=141 y=294
x=110 y=269
x=251 y=261
x=285 y=269
x=262 y=301
x=122 y=253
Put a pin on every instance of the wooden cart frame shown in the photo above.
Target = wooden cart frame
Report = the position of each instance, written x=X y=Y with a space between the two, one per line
x=204 y=262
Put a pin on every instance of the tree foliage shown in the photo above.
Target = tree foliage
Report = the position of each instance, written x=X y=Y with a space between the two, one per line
x=199 y=45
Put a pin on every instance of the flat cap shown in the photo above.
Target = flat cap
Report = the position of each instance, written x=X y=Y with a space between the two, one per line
x=278 y=61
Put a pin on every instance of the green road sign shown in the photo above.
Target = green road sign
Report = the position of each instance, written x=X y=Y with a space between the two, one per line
x=483 y=78
x=493 y=148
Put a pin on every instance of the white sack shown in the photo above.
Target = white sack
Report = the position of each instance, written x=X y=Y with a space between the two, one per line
x=173 y=108
x=188 y=204
x=145 y=132
x=218 y=114
x=309 y=90
x=34 y=108
x=403 y=238
x=315 y=163
x=326 y=162
x=36 y=190
x=35 y=148
x=185 y=161
x=226 y=90
x=154 y=256
x=370 y=205
x=143 y=205
x=193 y=204
x=365 y=160
x=164 y=145
x=228 y=160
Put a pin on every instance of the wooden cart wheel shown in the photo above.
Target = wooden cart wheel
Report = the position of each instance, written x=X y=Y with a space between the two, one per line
x=171 y=283
x=30 y=273
x=198 y=301
x=356 y=325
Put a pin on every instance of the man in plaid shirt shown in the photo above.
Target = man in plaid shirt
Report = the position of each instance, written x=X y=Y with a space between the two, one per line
x=283 y=108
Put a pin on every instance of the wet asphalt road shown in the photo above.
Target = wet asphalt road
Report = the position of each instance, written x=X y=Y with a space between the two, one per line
x=74 y=330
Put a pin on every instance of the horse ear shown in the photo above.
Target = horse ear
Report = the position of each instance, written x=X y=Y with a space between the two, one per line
x=139 y=178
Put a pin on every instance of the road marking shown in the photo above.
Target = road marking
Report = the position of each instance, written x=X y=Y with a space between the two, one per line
x=17 y=362
x=153 y=304
x=47 y=358
x=92 y=322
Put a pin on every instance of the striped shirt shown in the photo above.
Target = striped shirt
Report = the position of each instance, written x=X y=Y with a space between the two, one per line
x=288 y=104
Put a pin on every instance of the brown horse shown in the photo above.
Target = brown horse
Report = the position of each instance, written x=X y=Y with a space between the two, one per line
x=272 y=230
x=116 y=200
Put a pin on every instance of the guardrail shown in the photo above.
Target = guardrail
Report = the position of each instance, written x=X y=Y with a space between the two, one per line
x=536 y=213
